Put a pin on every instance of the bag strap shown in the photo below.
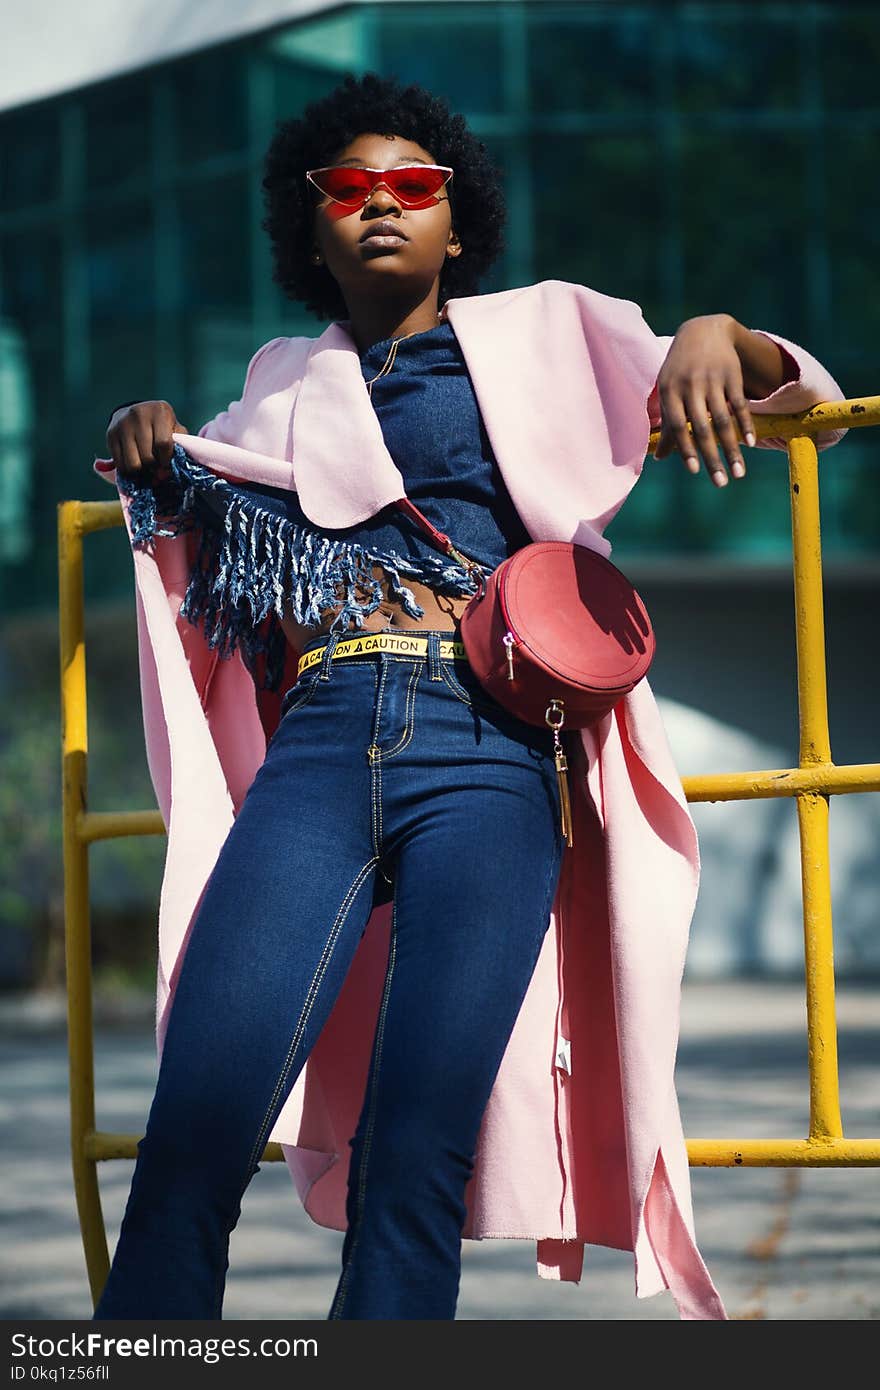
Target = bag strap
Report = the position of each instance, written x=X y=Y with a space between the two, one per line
x=438 y=537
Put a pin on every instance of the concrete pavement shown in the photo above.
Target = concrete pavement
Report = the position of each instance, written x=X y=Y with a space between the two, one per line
x=781 y=1244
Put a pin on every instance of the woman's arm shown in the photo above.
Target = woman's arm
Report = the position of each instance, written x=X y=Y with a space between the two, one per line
x=717 y=367
x=765 y=365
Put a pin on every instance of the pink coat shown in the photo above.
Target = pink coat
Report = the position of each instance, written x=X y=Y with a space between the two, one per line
x=581 y=1142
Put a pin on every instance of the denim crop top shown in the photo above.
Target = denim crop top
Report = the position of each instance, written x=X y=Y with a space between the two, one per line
x=259 y=553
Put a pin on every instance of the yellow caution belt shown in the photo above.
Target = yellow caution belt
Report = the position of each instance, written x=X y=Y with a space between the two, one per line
x=401 y=643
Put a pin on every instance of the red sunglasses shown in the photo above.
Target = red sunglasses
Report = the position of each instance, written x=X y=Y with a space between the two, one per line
x=412 y=184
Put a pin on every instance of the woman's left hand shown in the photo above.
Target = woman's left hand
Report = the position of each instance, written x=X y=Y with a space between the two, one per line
x=702 y=374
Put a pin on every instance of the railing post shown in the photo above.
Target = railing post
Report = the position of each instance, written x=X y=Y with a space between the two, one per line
x=812 y=807
x=77 y=925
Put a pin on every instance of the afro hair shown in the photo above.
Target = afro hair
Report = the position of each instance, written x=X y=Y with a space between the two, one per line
x=375 y=104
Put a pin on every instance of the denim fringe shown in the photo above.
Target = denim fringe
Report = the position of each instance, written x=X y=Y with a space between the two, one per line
x=252 y=563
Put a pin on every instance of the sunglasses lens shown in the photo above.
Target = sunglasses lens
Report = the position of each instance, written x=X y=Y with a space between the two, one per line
x=415 y=185
x=351 y=186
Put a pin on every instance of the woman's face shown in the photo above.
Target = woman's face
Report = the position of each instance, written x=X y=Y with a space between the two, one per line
x=364 y=269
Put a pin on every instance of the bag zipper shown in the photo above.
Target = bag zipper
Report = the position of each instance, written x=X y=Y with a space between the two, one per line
x=510 y=638
x=554 y=717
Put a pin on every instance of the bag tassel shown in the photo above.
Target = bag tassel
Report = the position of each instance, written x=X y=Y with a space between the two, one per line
x=556 y=710
x=564 y=802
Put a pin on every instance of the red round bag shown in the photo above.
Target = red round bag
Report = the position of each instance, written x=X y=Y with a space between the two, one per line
x=556 y=634
x=557 y=622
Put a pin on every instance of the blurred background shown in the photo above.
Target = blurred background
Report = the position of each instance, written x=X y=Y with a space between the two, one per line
x=695 y=158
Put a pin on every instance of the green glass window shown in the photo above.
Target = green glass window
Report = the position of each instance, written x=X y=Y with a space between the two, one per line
x=591 y=58
x=735 y=59
x=592 y=211
x=847 y=38
x=208 y=99
x=117 y=134
x=693 y=158
x=32 y=417
x=459 y=56
x=121 y=287
x=30 y=166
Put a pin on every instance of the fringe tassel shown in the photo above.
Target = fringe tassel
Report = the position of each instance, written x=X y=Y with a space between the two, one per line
x=252 y=563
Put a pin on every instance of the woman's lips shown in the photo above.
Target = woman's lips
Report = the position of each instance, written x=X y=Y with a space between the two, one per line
x=387 y=241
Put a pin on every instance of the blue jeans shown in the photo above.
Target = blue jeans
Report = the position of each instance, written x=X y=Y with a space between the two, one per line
x=384 y=768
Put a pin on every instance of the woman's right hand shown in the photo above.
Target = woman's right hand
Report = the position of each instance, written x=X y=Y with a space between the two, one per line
x=139 y=439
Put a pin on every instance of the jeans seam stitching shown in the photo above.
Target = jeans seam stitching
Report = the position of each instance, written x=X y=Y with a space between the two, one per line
x=380 y=695
x=377 y=752
x=308 y=1003
x=371 y=1115
x=380 y=829
x=376 y=775
x=305 y=698
x=451 y=681
x=408 y=722
x=454 y=685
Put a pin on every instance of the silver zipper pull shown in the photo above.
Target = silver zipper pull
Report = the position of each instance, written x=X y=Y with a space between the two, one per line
x=508 y=639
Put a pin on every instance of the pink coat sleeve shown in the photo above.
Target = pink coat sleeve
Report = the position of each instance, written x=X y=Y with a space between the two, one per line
x=225 y=428
x=807 y=383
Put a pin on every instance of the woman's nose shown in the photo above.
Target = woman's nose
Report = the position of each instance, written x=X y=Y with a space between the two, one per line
x=383 y=197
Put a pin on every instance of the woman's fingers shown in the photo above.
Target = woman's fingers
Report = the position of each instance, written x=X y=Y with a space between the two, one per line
x=141 y=440
x=695 y=404
x=739 y=406
x=723 y=424
x=163 y=444
x=692 y=405
x=137 y=445
x=674 y=432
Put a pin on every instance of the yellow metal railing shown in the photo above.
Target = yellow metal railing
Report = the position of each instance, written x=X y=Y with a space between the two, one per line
x=811 y=783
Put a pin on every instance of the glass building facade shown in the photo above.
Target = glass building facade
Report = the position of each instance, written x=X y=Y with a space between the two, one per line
x=692 y=157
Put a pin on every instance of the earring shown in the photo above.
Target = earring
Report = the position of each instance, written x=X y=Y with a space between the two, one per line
x=316 y=257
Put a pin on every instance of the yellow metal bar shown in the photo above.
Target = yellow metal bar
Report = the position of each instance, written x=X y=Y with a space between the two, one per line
x=704 y=1153
x=103 y=1145
x=830 y=415
x=825 y=1119
x=99 y=516
x=112 y=825
x=783 y=1153
x=815 y=745
x=815 y=748
x=77 y=926
x=788 y=781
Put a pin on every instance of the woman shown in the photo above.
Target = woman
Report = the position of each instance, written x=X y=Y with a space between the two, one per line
x=372 y=932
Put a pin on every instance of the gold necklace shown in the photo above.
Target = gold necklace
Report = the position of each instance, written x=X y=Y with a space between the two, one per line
x=389 y=360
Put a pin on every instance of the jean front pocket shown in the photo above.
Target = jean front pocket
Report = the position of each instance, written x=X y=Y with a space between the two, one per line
x=300 y=692
x=466 y=686
x=463 y=683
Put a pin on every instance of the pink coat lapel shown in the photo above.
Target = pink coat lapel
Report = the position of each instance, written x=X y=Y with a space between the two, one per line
x=343 y=470
x=568 y=468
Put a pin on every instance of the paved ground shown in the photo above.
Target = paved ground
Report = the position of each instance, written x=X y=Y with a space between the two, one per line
x=780 y=1244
